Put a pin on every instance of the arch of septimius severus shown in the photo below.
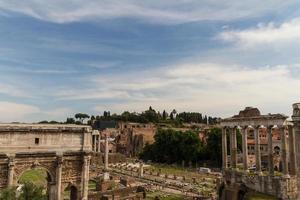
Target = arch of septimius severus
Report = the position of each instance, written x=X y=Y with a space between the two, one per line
x=283 y=184
x=62 y=150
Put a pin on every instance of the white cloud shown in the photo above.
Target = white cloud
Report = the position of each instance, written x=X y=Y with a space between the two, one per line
x=206 y=87
x=286 y=33
x=167 y=11
x=16 y=112
x=12 y=90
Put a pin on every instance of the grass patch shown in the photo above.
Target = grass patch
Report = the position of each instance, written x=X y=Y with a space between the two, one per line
x=163 y=196
x=36 y=176
x=92 y=185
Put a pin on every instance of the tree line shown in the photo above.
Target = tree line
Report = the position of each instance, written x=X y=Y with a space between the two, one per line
x=173 y=146
x=147 y=116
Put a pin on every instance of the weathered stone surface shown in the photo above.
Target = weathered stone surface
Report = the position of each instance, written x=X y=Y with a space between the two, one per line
x=61 y=150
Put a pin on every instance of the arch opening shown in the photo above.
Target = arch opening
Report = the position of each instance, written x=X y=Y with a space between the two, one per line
x=71 y=193
x=34 y=182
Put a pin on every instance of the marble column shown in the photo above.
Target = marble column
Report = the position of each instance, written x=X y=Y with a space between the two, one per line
x=230 y=146
x=99 y=143
x=284 y=158
x=292 y=148
x=270 y=150
x=106 y=154
x=257 y=150
x=234 y=148
x=245 y=147
x=11 y=171
x=296 y=132
x=59 y=163
x=85 y=177
x=94 y=143
x=224 y=148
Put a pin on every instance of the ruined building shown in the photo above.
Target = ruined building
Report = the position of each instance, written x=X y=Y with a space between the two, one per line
x=262 y=130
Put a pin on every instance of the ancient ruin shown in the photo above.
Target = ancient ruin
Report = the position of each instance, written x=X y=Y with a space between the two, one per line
x=237 y=177
x=62 y=150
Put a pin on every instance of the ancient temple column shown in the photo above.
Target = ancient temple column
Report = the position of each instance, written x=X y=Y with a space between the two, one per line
x=224 y=148
x=284 y=158
x=234 y=148
x=94 y=143
x=59 y=163
x=296 y=130
x=11 y=170
x=245 y=147
x=230 y=145
x=257 y=149
x=292 y=147
x=85 y=177
x=106 y=153
x=99 y=144
x=270 y=150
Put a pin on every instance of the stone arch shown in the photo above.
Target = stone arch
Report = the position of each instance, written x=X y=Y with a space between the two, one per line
x=50 y=179
x=277 y=150
x=21 y=171
x=73 y=191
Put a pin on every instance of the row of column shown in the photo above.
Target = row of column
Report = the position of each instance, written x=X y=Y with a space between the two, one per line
x=244 y=132
x=96 y=143
x=58 y=178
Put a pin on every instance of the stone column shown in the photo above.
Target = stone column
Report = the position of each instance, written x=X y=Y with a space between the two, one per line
x=292 y=147
x=257 y=150
x=245 y=147
x=270 y=150
x=85 y=177
x=94 y=143
x=59 y=163
x=284 y=159
x=230 y=145
x=99 y=144
x=224 y=148
x=141 y=170
x=234 y=148
x=106 y=153
x=296 y=131
x=11 y=170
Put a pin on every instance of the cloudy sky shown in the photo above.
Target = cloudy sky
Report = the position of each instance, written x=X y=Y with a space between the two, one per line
x=211 y=56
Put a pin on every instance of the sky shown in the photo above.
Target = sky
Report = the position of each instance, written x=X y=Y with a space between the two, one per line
x=216 y=57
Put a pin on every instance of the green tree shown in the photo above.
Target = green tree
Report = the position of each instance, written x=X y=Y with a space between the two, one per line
x=214 y=145
x=81 y=116
x=70 y=120
x=8 y=194
x=32 y=192
x=172 y=146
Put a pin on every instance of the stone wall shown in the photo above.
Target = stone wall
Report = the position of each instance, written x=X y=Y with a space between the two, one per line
x=43 y=138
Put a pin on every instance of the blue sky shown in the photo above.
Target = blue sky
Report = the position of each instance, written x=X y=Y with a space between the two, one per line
x=216 y=57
